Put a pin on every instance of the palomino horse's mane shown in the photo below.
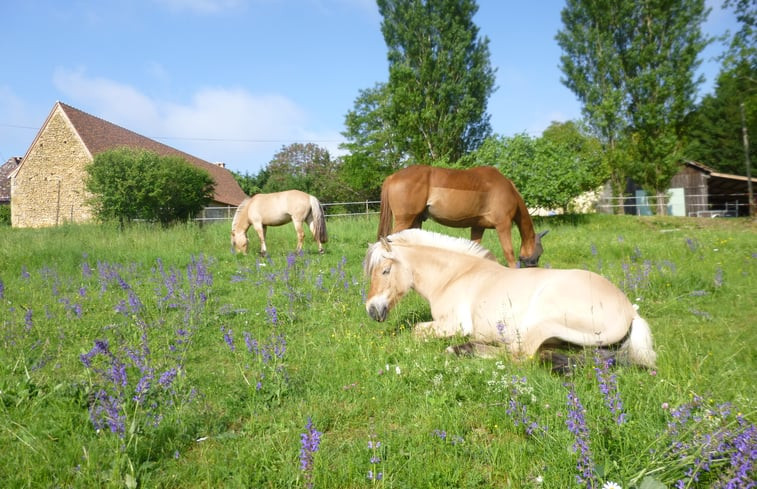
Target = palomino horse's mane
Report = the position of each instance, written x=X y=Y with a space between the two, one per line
x=239 y=212
x=419 y=237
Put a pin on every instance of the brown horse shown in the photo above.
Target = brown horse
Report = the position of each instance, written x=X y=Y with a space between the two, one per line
x=275 y=209
x=480 y=198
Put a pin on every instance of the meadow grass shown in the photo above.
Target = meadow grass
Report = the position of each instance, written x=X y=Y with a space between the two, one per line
x=155 y=357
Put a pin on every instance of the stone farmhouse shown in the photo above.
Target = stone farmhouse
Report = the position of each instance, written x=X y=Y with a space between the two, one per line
x=47 y=186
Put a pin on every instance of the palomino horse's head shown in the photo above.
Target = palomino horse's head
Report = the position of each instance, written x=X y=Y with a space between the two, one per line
x=533 y=260
x=390 y=279
x=239 y=227
x=239 y=242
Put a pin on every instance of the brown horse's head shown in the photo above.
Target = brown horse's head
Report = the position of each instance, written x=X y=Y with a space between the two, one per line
x=533 y=260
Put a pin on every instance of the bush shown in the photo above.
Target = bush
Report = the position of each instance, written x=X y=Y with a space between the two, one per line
x=5 y=215
x=129 y=184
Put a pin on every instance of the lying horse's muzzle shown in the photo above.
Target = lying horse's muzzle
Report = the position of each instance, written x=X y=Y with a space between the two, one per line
x=377 y=312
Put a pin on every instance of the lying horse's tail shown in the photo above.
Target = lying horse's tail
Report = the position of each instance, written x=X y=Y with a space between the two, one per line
x=319 y=221
x=638 y=348
x=385 y=217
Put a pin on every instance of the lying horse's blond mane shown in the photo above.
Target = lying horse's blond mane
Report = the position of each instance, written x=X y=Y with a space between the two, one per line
x=418 y=237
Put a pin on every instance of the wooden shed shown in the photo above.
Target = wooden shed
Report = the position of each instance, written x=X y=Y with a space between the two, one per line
x=47 y=187
x=696 y=190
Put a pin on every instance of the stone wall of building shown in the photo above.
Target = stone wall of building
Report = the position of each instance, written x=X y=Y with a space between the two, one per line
x=48 y=189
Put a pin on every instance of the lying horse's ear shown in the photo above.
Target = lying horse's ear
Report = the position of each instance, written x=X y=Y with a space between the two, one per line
x=385 y=244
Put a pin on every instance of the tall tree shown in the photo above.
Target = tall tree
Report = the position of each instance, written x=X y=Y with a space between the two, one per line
x=637 y=58
x=440 y=78
x=550 y=171
x=307 y=167
x=373 y=153
x=715 y=129
x=592 y=71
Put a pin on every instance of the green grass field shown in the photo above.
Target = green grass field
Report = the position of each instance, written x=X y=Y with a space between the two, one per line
x=156 y=358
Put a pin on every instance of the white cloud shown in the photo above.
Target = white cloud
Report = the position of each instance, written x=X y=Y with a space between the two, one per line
x=231 y=125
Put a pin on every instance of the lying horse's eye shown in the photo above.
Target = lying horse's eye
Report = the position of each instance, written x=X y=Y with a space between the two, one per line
x=386 y=271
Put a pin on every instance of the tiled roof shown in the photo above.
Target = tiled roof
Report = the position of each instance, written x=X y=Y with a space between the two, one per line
x=100 y=135
x=5 y=184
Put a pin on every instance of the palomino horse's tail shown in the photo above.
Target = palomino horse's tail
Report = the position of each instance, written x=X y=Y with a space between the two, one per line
x=319 y=221
x=638 y=348
x=385 y=217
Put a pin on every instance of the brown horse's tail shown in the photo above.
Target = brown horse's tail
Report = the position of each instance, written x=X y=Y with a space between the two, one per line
x=319 y=221
x=385 y=217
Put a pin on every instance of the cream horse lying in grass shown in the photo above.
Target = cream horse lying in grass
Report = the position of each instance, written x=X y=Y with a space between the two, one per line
x=520 y=310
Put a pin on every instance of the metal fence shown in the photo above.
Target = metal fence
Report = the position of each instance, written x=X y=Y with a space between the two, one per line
x=696 y=206
x=693 y=205
x=334 y=209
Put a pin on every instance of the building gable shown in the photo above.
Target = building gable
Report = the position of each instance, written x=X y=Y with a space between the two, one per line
x=48 y=186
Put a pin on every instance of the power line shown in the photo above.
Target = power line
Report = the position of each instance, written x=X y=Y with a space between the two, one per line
x=212 y=140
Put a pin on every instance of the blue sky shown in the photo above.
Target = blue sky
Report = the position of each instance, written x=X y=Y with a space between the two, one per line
x=235 y=80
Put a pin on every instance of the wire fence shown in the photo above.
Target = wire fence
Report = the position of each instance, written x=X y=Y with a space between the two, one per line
x=699 y=205
x=691 y=205
x=332 y=209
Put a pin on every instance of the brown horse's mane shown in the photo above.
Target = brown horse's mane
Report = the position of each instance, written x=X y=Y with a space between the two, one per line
x=419 y=237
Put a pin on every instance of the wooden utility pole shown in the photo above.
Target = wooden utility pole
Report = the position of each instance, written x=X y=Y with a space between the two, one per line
x=745 y=135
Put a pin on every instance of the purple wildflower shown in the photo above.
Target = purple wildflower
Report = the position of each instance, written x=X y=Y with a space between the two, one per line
x=309 y=442
x=167 y=377
x=143 y=386
x=86 y=270
x=228 y=337
x=576 y=423
x=273 y=315
x=28 y=319
x=251 y=343
x=519 y=411
x=375 y=447
x=106 y=411
x=2 y=289
x=608 y=386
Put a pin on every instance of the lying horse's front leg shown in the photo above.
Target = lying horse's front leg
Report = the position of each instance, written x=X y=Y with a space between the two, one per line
x=437 y=329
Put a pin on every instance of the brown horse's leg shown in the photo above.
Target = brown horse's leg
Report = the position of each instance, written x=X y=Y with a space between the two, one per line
x=476 y=233
x=504 y=231
x=406 y=222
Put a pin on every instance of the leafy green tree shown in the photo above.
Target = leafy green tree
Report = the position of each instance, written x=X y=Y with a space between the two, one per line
x=373 y=153
x=715 y=128
x=128 y=184
x=306 y=167
x=551 y=171
x=252 y=184
x=433 y=107
x=632 y=64
x=593 y=72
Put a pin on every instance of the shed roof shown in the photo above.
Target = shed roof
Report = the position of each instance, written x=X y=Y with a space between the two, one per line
x=721 y=183
x=5 y=171
x=99 y=135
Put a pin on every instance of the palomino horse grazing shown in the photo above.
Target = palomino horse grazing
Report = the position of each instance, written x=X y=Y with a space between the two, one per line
x=519 y=310
x=275 y=209
x=480 y=198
